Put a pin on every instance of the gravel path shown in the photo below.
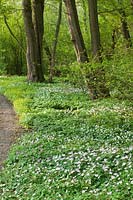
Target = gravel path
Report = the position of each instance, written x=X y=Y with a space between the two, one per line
x=9 y=128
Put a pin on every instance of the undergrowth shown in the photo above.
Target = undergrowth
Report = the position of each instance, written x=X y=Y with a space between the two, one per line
x=76 y=149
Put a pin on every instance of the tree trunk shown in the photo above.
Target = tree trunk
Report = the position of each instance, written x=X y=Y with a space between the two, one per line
x=94 y=29
x=53 y=53
x=114 y=38
x=75 y=31
x=34 y=40
x=132 y=4
x=85 y=18
x=38 y=23
x=125 y=29
x=47 y=50
x=96 y=78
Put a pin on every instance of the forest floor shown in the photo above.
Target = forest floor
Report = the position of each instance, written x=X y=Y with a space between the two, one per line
x=9 y=128
x=71 y=147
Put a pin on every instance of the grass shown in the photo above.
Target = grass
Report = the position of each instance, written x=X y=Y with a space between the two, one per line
x=76 y=149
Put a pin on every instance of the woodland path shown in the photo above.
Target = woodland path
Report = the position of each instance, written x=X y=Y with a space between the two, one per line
x=9 y=128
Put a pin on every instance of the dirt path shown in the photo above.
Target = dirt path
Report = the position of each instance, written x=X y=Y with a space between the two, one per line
x=9 y=128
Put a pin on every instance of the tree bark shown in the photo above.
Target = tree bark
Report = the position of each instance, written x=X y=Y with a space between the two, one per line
x=75 y=31
x=38 y=23
x=53 y=53
x=34 y=39
x=94 y=29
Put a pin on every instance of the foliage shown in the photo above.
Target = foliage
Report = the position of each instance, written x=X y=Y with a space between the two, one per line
x=74 y=148
x=11 y=55
x=2 y=68
x=65 y=51
x=115 y=72
x=77 y=149
x=119 y=74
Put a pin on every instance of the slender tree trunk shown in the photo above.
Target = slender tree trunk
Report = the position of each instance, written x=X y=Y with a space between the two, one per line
x=124 y=24
x=132 y=4
x=75 y=31
x=125 y=30
x=34 y=33
x=94 y=29
x=113 y=38
x=55 y=42
x=47 y=50
x=85 y=18
x=18 y=62
x=38 y=23
x=96 y=78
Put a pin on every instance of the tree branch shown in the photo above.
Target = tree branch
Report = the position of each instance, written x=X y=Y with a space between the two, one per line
x=12 y=34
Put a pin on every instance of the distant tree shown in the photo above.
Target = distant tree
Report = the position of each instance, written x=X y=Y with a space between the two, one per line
x=125 y=30
x=132 y=3
x=48 y=51
x=75 y=31
x=33 y=20
x=114 y=34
